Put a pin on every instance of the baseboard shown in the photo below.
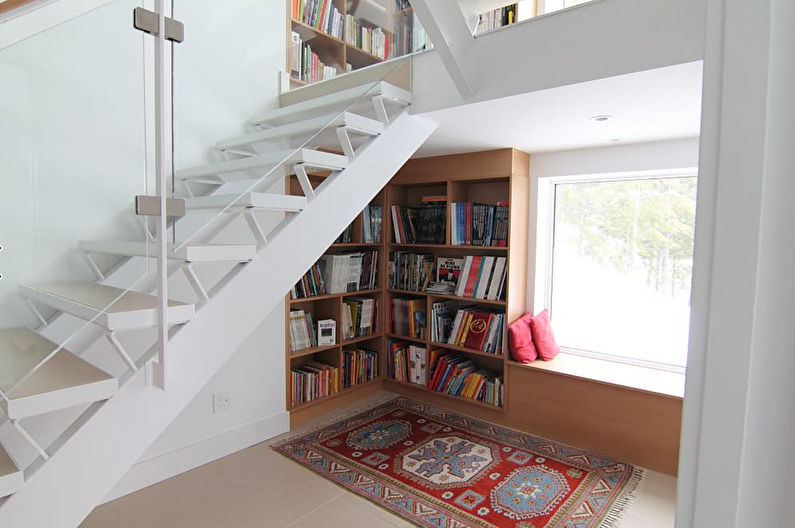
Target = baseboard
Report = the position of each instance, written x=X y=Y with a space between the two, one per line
x=171 y=464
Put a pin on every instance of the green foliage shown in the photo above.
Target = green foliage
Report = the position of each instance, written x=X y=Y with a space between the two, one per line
x=627 y=224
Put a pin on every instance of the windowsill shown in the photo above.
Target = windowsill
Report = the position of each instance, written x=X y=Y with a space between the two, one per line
x=613 y=373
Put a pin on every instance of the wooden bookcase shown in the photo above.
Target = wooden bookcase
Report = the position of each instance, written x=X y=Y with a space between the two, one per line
x=337 y=51
x=330 y=307
x=485 y=177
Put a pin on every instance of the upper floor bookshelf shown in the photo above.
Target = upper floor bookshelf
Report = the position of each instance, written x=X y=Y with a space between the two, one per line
x=327 y=38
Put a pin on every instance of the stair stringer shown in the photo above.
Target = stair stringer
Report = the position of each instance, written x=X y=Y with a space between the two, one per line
x=80 y=474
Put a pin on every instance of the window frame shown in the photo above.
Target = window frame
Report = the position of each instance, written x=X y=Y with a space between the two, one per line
x=547 y=200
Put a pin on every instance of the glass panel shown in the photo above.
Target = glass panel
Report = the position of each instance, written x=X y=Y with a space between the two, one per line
x=72 y=101
x=488 y=15
x=622 y=264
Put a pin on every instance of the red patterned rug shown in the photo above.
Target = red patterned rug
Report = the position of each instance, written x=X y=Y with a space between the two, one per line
x=438 y=468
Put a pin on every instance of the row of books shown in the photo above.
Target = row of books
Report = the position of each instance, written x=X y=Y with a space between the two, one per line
x=458 y=375
x=372 y=218
x=348 y=272
x=358 y=366
x=305 y=64
x=477 y=329
x=497 y=18
x=410 y=271
x=359 y=315
x=420 y=225
x=483 y=277
x=406 y=362
x=320 y=14
x=345 y=236
x=313 y=380
x=408 y=317
x=310 y=285
x=475 y=224
x=302 y=330
x=408 y=34
x=373 y=40
x=441 y=321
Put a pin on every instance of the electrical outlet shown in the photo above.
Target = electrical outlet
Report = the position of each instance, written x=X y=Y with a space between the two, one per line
x=222 y=401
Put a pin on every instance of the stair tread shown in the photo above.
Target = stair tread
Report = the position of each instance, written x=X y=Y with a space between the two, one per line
x=100 y=297
x=19 y=347
x=7 y=466
x=337 y=99
x=270 y=159
x=189 y=252
x=11 y=478
x=257 y=200
x=357 y=122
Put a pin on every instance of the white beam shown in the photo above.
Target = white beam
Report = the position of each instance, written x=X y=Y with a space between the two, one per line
x=451 y=37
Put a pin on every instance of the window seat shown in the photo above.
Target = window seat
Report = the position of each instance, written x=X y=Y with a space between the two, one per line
x=612 y=373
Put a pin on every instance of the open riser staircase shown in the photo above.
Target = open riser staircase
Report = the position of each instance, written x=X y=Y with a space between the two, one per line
x=120 y=415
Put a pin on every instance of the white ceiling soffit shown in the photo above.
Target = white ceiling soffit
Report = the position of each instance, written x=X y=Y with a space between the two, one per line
x=653 y=105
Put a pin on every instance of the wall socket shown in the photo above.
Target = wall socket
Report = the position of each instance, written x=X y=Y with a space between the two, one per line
x=222 y=401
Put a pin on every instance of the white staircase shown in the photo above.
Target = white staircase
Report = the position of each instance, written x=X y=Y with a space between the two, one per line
x=76 y=472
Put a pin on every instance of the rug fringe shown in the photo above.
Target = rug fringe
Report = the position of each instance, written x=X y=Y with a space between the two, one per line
x=352 y=411
x=615 y=516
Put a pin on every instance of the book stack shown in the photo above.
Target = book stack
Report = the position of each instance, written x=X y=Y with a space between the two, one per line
x=372 y=40
x=305 y=64
x=311 y=284
x=358 y=366
x=441 y=321
x=448 y=271
x=358 y=316
x=497 y=18
x=349 y=272
x=320 y=14
x=408 y=317
x=410 y=271
x=476 y=224
x=302 y=330
x=483 y=277
x=406 y=362
x=372 y=217
x=478 y=330
x=313 y=380
x=459 y=376
x=420 y=225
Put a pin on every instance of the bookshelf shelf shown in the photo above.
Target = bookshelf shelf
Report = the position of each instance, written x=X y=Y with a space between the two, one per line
x=445 y=297
x=312 y=350
x=485 y=177
x=300 y=27
x=359 y=339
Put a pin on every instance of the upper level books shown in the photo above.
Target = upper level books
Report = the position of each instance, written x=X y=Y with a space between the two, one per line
x=475 y=224
x=339 y=273
x=419 y=225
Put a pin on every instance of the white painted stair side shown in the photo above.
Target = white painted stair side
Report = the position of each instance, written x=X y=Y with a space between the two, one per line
x=227 y=171
x=187 y=253
x=352 y=122
x=250 y=200
x=109 y=307
x=63 y=381
x=85 y=468
x=11 y=478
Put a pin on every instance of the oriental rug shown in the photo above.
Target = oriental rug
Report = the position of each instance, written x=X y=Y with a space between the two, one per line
x=441 y=469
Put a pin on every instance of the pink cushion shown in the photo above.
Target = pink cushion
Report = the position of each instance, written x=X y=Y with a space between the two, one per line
x=520 y=340
x=545 y=344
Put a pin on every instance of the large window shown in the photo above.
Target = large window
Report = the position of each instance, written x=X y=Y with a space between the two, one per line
x=620 y=269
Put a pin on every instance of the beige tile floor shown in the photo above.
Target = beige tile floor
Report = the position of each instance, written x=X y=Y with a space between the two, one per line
x=259 y=488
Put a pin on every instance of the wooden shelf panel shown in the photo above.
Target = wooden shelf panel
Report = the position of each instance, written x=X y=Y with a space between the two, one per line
x=466 y=350
x=408 y=338
x=448 y=297
x=448 y=247
x=426 y=390
x=305 y=29
x=334 y=296
x=359 y=339
x=312 y=350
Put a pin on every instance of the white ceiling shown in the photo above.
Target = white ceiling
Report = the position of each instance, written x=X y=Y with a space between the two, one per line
x=646 y=106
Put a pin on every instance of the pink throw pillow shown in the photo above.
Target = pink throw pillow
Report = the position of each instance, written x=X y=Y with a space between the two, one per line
x=545 y=344
x=520 y=340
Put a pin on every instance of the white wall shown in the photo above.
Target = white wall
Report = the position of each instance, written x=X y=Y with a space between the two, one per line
x=638 y=157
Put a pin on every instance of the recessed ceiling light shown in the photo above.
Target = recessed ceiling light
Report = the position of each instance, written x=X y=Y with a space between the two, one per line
x=615 y=140
x=601 y=118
